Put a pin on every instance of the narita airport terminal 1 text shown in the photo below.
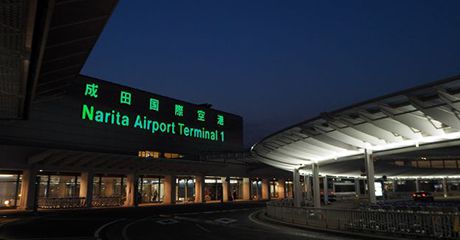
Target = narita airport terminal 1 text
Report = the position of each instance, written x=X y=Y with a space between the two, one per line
x=143 y=122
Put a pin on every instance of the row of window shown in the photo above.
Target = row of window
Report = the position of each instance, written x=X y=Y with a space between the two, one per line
x=150 y=189
x=154 y=154
x=428 y=163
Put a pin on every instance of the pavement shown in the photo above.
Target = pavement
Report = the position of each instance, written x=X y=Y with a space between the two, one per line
x=220 y=221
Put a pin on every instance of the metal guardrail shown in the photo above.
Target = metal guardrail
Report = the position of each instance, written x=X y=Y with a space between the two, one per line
x=66 y=202
x=433 y=225
x=108 y=201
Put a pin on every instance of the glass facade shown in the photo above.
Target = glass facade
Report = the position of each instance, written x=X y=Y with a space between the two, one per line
x=274 y=189
x=289 y=189
x=256 y=189
x=10 y=185
x=107 y=186
x=185 y=189
x=151 y=189
x=236 y=188
x=59 y=186
x=212 y=189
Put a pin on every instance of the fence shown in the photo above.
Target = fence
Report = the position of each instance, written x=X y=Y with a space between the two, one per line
x=433 y=225
x=67 y=202
x=108 y=201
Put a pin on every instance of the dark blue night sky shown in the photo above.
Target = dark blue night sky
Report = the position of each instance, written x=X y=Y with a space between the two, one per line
x=277 y=62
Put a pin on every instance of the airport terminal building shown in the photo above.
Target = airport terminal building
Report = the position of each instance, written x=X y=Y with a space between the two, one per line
x=68 y=140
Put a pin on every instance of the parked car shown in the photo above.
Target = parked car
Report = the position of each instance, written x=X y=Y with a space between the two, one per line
x=422 y=196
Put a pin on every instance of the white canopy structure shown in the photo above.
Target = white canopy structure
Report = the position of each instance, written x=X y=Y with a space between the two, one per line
x=404 y=121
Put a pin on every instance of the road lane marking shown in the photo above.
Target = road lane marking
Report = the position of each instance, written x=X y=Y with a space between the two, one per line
x=254 y=220
x=202 y=228
x=167 y=221
x=288 y=230
x=225 y=220
x=124 y=231
x=98 y=231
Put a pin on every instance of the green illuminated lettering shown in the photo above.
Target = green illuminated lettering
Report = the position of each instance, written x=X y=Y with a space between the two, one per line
x=186 y=129
x=143 y=122
x=213 y=136
x=87 y=112
x=206 y=134
x=138 y=122
x=220 y=120
x=125 y=121
x=155 y=126
x=154 y=104
x=99 y=116
x=181 y=128
x=112 y=117
x=201 y=115
x=125 y=98
x=179 y=110
x=91 y=90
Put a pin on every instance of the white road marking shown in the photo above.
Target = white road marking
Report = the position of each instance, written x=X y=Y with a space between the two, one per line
x=124 y=231
x=167 y=221
x=98 y=231
x=202 y=228
x=293 y=231
x=225 y=220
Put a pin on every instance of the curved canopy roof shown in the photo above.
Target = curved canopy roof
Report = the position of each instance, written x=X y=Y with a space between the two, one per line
x=404 y=120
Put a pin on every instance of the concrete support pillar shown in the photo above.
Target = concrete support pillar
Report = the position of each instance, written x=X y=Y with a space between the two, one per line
x=307 y=187
x=417 y=185
x=29 y=190
x=296 y=188
x=281 y=188
x=246 y=189
x=265 y=189
x=316 y=192
x=86 y=188
x=444 y=186
x=199 y=189
x=131 y=190
x=225 y=189
x=170 y=189
x=357 y=187
x=395 y=185
x=370 y=175
x=325 y=191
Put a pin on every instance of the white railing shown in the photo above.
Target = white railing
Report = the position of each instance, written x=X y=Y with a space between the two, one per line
x=427 y=224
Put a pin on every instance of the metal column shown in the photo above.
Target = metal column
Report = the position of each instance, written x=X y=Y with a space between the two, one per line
x=370 y=175
x=444 y=186
x=307 y=186
x=395 y=184
x=297 y=189
x=357 y=187
x=325 y=191
x=316 y=193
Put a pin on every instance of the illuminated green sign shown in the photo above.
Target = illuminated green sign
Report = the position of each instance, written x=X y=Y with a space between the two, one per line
x=148 y=123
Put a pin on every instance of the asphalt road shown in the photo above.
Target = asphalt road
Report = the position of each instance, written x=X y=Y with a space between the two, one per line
x=215 y=224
